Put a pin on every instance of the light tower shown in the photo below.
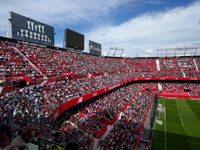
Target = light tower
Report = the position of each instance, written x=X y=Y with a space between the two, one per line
x=113 y=52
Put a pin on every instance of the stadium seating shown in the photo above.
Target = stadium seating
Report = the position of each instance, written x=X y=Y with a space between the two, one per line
x=125 y=132
x=163 y=74
x=124 y=108
x=53 y=62
x=181 y=87
x=197 y=60
x=177 y=64
x=53 y=94
x=89 y=118
x=13 y=65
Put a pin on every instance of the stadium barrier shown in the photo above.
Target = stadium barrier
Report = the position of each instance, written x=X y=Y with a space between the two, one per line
x=113 y=121
x=176 y=96
x=67 y=74
x=19 y=78
x=142 y=128
x=102 y=131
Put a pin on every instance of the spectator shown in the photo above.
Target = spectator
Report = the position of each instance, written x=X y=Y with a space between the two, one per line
x=58 y=137
x=72 y=146
x=22 y=140
x=56 y=147
x=5 y=135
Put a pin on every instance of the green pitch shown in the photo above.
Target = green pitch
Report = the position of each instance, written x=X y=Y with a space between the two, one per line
x=177 y=125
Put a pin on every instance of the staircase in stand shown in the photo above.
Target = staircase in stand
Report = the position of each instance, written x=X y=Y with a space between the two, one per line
x=21 y=54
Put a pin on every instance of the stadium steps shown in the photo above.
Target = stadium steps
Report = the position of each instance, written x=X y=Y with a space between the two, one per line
x=74 y=125
x=44 y=82
x=95 y=144
x=18 y=51
x=160 y=87
x=195 y=64
x=96 y=141
x=143 y=75
x=1 y=89
x=127 y=66
x=109 y=128
x=184 y=74
x=158 y=65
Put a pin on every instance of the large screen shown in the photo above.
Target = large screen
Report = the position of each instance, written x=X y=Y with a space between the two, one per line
x=74 y=40
x=26 y=29
x=95 y=48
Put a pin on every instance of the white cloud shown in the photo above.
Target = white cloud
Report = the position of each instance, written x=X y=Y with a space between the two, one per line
x=175 y=27
x=149 y=50
x=58 y=12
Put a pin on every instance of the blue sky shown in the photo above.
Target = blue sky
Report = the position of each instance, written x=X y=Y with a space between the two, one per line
x=138 y=26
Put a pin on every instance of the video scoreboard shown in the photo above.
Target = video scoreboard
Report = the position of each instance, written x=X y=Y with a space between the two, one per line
x=30 y=30
x=95 y=48
x=73 y=40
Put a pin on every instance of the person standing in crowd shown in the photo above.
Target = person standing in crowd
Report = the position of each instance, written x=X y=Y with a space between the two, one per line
x=72 y=146
x=58 y=137
x=5 y=136
x=22 y=140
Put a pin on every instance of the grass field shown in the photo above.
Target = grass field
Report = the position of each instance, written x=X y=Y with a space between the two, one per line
x=177 y=125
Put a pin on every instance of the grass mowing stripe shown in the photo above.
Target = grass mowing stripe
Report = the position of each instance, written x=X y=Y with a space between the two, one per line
x=191 y=115
x=180 y=118
x=179 y=106
x=158 y=132
x=179 y=140
x=195 y=108
x=165 y=125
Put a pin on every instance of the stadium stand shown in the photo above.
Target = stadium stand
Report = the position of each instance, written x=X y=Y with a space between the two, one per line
x=111 y=120
x=13 y=65
x=177 y=64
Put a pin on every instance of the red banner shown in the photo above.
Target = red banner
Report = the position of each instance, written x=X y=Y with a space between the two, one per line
x=176 y=96
x=20 y=78
x=67 y=74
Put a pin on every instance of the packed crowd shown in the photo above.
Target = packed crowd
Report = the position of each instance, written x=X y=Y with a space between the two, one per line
x=36 y=103
x=197 y=60
x=163 y=74
x=125 y=133
x=13 y=65
x=19 y=105
x=192 y=74
x=108 y=106
x=70 y=89
x=29 y=134
x=55 y=63
x=192 y=88
x=171 y=64
x=80 y=135
x=140 y=64
x=125 y=100
x=40 y=101
x=21 y=141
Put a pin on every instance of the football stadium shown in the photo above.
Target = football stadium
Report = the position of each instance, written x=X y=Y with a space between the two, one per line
x=97 y=90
